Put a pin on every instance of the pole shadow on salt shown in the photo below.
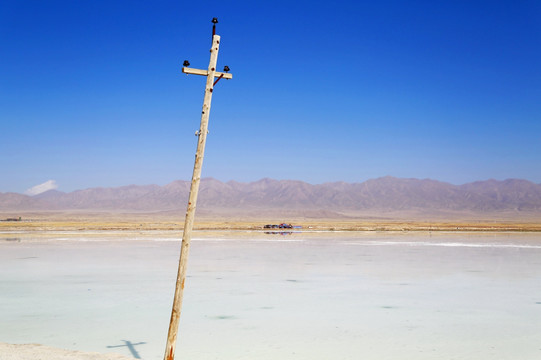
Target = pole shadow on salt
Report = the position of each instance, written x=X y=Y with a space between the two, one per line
x=130 y=346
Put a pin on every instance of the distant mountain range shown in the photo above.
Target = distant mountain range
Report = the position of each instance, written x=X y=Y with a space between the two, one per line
x=386 y=197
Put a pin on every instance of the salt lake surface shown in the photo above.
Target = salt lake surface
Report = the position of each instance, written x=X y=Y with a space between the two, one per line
x=263 y=296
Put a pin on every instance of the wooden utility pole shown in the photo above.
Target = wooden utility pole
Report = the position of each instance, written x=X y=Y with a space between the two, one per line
x=211 y=73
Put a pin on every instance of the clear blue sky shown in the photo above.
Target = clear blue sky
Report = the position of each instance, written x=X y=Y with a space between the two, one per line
x=92 y=94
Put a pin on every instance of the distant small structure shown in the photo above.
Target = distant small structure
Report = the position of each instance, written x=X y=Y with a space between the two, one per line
x=13 y=219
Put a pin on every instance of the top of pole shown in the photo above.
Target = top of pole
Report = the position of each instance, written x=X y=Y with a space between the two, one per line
x=219 y=75
x=214 y=22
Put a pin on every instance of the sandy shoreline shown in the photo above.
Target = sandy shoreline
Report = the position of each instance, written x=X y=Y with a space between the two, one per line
x=42 y=352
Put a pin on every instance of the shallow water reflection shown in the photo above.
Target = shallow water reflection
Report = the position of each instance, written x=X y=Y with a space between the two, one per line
x=302 y=296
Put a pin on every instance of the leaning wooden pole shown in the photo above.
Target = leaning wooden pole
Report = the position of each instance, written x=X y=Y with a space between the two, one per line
x=192 y=200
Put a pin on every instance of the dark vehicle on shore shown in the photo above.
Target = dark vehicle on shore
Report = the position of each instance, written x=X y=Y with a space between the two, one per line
x=279 y=226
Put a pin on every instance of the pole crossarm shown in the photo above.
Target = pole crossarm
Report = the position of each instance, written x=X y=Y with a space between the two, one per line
x=193 y=71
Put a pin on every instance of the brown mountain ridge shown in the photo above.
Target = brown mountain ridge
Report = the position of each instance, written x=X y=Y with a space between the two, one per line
x=386 y=196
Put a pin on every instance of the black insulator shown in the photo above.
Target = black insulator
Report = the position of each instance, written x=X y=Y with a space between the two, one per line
x=186 y=63
x=214 y=20
x=226 y=68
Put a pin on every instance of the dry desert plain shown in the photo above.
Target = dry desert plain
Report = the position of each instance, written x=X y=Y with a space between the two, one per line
x=74 y=221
